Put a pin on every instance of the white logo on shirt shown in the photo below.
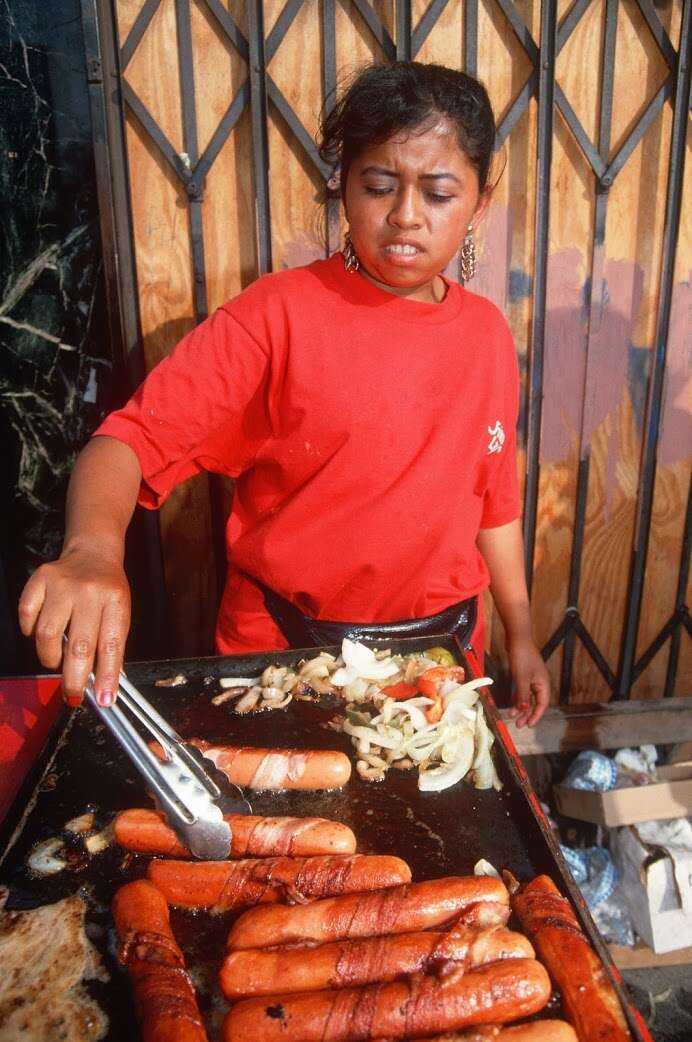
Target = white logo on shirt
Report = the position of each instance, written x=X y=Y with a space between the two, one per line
x=497 y=437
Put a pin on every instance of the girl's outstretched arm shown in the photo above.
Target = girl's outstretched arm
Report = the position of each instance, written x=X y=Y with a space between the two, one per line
x=503 y=552
x=86 y=591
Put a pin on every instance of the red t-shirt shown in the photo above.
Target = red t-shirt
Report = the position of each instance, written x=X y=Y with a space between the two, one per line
x=371 y=437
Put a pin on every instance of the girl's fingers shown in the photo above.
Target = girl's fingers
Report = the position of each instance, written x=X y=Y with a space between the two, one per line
x=541 y=698
x=80 y=649
x=115 y=623
x=50 y=627
x=31 y=602
x=522 y=701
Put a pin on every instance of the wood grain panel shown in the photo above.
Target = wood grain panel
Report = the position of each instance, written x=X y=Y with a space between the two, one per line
x=161 y=230
x=126 y=13
x=577 y=67
x=355 y=44
x=609 y=527
x=228 y=211
x=158 y=50
x=505 y=240
x=672 y=478
x=445 y=42
x=296 y=187
x=613 y=427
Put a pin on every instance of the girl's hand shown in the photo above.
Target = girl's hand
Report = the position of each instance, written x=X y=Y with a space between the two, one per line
x=531 y=693
x=86 y=592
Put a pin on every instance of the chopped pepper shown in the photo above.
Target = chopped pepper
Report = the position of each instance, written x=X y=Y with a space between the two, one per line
x=442 y=656
x=401 y=691
x=429 y=685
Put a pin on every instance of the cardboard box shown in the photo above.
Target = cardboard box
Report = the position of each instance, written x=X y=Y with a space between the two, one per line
x=671 y=797
x=657 y=885
x=642 y=957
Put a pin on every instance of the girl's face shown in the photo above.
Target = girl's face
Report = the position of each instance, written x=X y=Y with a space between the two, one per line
x=409 y=202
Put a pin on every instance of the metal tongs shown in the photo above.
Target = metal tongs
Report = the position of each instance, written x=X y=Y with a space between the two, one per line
x=189 y=788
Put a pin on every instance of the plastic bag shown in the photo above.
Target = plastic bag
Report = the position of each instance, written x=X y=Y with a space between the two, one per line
x=593 y=771
x=597 y=877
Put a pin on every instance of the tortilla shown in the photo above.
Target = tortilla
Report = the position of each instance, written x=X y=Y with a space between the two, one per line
x=44 y=957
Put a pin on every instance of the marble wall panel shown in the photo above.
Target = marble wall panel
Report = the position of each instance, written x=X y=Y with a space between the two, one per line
x=55 y=362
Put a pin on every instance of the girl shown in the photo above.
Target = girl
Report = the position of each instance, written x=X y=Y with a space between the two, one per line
x=365 y=405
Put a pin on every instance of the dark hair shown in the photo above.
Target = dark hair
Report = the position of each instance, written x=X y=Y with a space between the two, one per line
x=386 y=98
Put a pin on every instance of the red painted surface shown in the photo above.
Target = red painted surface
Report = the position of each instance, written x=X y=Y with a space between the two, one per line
x=641 y=1025
x=29 y=707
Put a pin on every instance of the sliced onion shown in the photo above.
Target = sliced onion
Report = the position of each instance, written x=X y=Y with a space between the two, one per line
x=104 y=838
x=435 y=779
x=363 y=661
x=454 y=744
x=249 y=700
x=485 y=868
x=47 y=857
x=369 y=734
x=423 y=750
x=355 y=690
x=466 y=690
x=344 y=676
x=484 y=738
x=415 y=715
x=315 y=669
x=238 y=681
x=84 y=823
x=456 y=712
x=277 y=703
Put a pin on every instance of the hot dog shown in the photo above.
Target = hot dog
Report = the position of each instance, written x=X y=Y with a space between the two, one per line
x=479 y=900
x=279 y=768
x=536 y=1031
x=237 y=884
x=165 y=1001
x=147 y=832
x=346 y=964
x=420 y=1004
x=589 y=999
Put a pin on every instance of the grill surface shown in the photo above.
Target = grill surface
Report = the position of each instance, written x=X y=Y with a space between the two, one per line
x=438 y=834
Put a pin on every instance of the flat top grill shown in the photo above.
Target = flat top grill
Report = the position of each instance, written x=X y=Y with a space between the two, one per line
x=438 y=834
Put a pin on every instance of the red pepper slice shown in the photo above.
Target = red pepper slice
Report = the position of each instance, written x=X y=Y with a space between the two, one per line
x=428 y=684
x=399 y=692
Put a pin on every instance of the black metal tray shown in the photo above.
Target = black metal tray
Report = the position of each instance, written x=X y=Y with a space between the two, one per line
x=438 y=834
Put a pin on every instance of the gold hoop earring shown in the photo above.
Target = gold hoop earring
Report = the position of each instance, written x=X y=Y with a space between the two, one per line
x=468 y=255
x=351 y=262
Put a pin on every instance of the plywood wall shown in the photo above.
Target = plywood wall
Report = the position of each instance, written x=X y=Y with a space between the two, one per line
x=596 y=372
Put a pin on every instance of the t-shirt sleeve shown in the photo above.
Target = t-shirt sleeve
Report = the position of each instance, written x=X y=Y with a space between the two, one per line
x=502 y=501
x=204 y=407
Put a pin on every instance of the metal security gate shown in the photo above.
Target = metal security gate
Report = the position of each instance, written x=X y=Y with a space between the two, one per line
x=537 y=110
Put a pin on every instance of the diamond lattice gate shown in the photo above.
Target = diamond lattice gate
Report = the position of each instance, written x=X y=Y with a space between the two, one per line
x=204 y=120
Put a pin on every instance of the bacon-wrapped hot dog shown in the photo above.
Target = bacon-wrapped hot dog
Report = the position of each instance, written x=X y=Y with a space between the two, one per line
x=347 y=964
x=279 y=768
x=147 y=832
x=420 y=1004
x=165 y=1000
x=536 y=1031
x=588 y=997
x=237 y=884
x=478 y=900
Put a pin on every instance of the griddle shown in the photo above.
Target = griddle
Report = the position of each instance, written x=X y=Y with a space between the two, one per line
x=438 y=834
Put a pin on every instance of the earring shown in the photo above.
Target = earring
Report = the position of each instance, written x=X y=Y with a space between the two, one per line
x=351 y=262
x=468 y=255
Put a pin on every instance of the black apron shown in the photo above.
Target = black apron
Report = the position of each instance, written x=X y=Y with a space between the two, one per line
x=302 y=631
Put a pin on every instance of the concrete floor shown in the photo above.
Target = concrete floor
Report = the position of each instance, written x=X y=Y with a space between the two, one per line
x=663 y=995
